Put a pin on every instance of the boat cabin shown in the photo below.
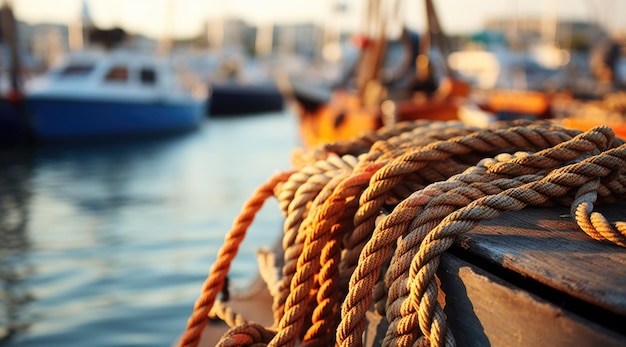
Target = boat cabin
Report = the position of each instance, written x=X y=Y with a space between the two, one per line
x=121 y=75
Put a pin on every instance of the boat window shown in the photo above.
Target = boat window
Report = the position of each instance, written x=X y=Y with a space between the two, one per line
x=117 y=74
x=76 y=70
x=148 y=76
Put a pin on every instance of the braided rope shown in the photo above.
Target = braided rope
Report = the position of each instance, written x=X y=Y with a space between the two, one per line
x=438 y=179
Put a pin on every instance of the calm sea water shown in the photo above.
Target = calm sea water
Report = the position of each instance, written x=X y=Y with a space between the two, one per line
x=108 y=245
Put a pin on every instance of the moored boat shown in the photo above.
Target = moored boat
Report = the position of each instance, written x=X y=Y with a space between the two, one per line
x=395 y=78
x=231 y=98
x=239 y=84
x=97 y=94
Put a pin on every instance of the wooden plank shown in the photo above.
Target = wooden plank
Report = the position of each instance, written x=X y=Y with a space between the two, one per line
x=483 y=310
x=546 y=246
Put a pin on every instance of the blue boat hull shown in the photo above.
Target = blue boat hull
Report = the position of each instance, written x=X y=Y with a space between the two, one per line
x=53 y=119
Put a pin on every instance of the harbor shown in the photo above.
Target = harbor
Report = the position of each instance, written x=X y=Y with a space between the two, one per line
x=366 y=174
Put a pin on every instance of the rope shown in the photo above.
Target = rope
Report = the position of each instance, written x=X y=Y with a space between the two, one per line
x=472 y=184
x=434 y=181
x=248 y=334
x=214 y=282
x=442 y=204
x=296 y=196
x=423 y=297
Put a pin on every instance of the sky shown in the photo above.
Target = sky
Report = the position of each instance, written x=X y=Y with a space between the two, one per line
x=185 y=18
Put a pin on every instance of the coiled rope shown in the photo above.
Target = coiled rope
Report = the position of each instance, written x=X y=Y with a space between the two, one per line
x=438 y=180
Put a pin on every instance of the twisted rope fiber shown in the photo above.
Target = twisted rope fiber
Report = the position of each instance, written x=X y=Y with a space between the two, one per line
x=247 y=334
x=294 y=249
x=379 y=246
x=341 y=263
x=326 y=315
x=291 y=258
x=364 y=142
x=436 y=207
x=423 y=288
x=383 y=151
x=593 y=223
x=523 y=164
x=402 y=134
x=308 y=262
x=319 y=171
x=531 y=135
x=419 y=136
x=613 y=189
x=302 y=192
x=598 y=227
x=213 y=284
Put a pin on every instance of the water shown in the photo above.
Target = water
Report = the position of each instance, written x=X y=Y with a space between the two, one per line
x=108 y=245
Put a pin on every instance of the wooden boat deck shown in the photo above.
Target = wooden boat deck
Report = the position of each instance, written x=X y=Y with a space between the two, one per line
x=532 y=278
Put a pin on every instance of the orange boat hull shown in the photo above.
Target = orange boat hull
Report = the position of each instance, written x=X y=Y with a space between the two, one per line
x=345 y=117
x=585 y=124
x=519 y=101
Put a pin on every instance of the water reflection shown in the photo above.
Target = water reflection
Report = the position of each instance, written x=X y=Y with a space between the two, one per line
x=109 y=243
x=14 y=243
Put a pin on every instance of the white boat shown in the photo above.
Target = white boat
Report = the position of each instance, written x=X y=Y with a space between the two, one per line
x=115 y=93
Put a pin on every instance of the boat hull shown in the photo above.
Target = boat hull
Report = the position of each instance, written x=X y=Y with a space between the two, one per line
x=345 y=116
x=58 y=119
x=239 y=99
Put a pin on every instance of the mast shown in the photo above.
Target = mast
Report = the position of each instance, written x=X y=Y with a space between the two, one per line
x=79 y=30
x=437 y=35
x=9 y=33
x=165 y=43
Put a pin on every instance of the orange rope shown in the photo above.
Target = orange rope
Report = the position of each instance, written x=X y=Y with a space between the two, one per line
x=315 y=183
x=214 y=282
x=248 y=334
x=308 y=262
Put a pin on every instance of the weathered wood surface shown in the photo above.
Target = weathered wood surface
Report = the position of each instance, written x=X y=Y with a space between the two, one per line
x=484 y=310
x=546 y=245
